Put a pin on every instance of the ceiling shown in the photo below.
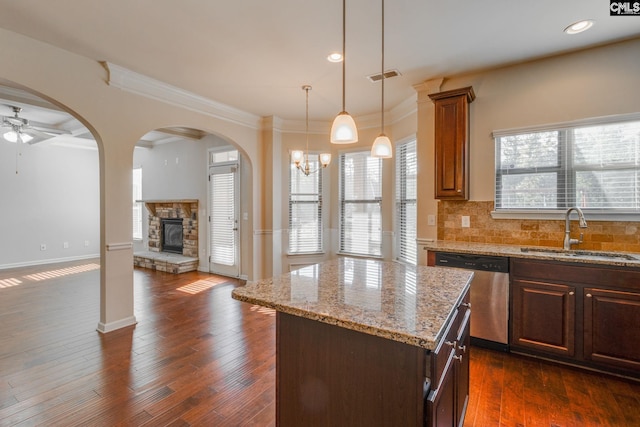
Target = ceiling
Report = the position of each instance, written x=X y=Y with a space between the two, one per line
x=256 y=55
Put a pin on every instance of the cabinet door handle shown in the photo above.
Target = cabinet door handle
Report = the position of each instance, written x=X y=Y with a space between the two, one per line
x=463 y=348
x=589 y=295
x=459 y=358
x=466 y=304
x=459 y=191
x=451 y=344
x=571 y=293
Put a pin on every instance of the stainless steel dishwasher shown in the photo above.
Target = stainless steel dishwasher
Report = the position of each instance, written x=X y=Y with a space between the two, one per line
x=489 y=296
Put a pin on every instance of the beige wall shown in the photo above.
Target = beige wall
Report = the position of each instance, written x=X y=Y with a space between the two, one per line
x=601 y=81
x=118 y=119
x=591 y=83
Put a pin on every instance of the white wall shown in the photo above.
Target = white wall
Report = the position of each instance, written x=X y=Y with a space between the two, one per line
x=53 y=199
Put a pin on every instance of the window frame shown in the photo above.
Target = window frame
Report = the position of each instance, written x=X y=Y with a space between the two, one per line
x=293 y=171
x=565 y=170
x=137 y=204
x=402 y=201
x=342 y=202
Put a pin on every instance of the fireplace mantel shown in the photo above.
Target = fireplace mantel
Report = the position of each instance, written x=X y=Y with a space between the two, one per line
x=185 y=204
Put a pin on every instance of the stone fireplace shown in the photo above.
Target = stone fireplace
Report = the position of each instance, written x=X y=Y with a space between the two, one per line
x=172 y=238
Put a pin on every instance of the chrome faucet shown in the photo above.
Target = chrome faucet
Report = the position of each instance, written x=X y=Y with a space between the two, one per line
x=568 y=241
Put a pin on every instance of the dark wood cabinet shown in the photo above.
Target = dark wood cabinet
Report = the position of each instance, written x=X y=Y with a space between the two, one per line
x=449 y=396
x=611 y=328
x=452 y=143
x=543 y=316
x=583 y=314
x=329 y=375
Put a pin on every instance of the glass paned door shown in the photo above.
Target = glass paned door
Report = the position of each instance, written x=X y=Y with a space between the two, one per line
x=223 y=220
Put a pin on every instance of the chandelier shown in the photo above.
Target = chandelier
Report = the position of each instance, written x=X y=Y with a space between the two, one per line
x=301 y=158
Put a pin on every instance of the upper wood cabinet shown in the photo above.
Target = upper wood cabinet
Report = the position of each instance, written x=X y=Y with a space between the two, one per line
x=452 y=143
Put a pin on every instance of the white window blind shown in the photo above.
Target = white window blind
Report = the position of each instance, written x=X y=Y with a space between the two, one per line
x=223 y=215
x=594 y=165
x=360 y=204
x=406 y=202
x=305 y=208
x=137 y=205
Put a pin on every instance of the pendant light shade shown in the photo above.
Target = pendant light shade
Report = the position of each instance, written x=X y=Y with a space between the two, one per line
x=382 y=147
x=343 y=130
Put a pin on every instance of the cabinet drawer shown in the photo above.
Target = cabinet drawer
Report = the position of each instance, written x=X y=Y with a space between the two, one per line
x=585 y=274
x=447 y=346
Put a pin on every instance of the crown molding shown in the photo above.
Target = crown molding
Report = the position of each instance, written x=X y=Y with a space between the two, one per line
x=405 y=109
x=130 y=81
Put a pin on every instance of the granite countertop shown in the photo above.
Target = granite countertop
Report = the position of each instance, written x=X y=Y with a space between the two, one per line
x=409 y=304
x=621 y=259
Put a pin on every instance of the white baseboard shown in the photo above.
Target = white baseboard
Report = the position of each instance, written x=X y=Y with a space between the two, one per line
x=118 y=324
x=47 y=261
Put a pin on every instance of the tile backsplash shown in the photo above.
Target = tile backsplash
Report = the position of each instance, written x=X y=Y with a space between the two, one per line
x=599 y=235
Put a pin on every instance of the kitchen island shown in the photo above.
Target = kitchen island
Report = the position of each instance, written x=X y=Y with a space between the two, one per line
x=366 y=342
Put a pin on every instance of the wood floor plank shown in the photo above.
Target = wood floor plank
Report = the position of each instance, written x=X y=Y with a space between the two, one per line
x=512 y=411
x=204 y=359
x=488 y=412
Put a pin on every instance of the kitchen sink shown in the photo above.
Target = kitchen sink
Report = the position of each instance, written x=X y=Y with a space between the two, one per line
x=582 y=254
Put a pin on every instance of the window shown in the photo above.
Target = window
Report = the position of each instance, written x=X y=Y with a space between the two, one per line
x=305 y=208
x=406 y=184
x=137 y=205
x=360 y=204
x=223 y=157
x=594 y=165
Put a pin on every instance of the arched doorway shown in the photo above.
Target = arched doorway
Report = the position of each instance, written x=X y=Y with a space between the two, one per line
x=49 y=175
x=184 y=169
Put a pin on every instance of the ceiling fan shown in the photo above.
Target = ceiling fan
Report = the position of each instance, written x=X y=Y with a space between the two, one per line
x=18 y=129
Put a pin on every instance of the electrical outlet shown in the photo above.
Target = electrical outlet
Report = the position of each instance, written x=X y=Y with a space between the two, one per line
x=466 y=221
x=65 y=245
x=431 y=220
x=43 y=247
x=86 y=243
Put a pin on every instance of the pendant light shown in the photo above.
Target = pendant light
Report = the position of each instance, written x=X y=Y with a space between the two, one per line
x=343 y=130
x=382 y=145
x=301 y=158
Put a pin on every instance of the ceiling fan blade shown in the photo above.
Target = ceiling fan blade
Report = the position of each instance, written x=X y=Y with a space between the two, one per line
x=37 y=135
x=5 y=123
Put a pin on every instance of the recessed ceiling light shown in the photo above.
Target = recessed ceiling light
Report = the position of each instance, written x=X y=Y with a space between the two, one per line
x=578 y=27
x=335 y=57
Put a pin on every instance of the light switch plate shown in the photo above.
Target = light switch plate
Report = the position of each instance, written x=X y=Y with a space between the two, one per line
x=431 y=220
x=466 y=221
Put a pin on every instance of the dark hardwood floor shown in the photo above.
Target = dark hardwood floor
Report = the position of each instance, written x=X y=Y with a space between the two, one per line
x=198 y=357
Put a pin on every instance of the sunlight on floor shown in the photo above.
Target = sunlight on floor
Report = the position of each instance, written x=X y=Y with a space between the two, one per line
x=263 y=310
x=52 y=274
x=201 y=285
x=8 y=283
